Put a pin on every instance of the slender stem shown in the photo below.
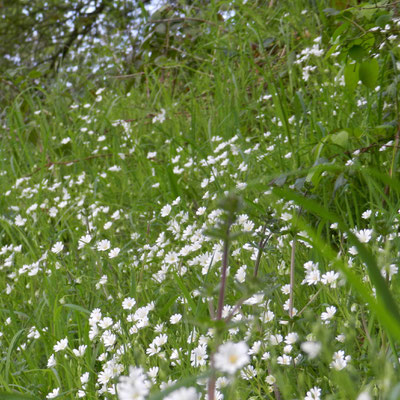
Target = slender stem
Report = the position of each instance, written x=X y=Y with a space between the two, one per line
x=292 y=263
x=211 y=381
x=223 y=273
x=261 y=246
x=310 y=301
x=224 y=268
x=276 y=390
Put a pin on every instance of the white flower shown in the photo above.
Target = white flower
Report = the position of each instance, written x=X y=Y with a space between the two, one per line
x=103 y=245
x=201 y=210
x=341 y=338
x=175 y=318
x=340 y=360
x=80 y=351
x=248 y=373
x=85 y=378
x=57 y=248
x=166 y=210
x=160 y=340
x=291 y=338
x=313 y=394
x=183 y=394
x=19 y=221
x=330 y=278
x=159 y=117
x=61 y=345
x=365 y=235
x=284 y=360
x=330 y=312
x=366 y=214
x=231 y=357
x=128 y=303
x=51 y=362
x=53 y=211
x=108 y=339
x=114 y=252
x=171 y=257
x=198 y=356
x=311 y=348
x=270 y=379
x=53 y=394
x=84 y=240
x=240 y=275
x=313 y=277
x=364 y=396
x=135 y=386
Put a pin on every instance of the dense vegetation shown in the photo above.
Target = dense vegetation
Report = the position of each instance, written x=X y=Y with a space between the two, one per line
x=207 y=210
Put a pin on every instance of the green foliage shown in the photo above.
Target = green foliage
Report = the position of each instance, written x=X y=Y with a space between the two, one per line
x=136 y=138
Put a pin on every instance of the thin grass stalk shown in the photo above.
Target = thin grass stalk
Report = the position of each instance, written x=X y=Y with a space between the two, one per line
x=221 y=299
x=292 y=264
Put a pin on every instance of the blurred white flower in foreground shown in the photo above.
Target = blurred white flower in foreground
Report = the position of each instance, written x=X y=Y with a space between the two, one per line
x=231 y=357
x=135 y=386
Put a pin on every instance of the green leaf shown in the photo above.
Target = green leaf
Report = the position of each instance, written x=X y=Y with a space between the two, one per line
x=15 y=396
x=369 y=72
x=384 y=305
x=12 y=346
x=340 y=138
x=185 y=292
x=351 y=76
x=383 y=19
x=339 y=30
x=357 y=52
x=77 y=308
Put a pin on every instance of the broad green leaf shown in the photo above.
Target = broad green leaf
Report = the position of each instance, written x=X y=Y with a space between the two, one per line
x=351 y=76
x=369 y=72
x=340 y=138
x=357 y=52
x=383 y=19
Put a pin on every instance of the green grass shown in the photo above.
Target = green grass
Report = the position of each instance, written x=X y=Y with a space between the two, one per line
x=108 y=169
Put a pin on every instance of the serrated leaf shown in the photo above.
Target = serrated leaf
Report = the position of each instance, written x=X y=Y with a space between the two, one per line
x=369 y=72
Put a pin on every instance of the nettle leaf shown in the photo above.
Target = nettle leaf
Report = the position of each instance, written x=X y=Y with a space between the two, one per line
x=369 y=72
x=351 y=76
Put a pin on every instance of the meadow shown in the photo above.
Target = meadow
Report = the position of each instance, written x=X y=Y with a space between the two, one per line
x=221 y=224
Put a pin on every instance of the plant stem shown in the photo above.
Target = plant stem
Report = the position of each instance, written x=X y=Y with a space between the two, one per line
x=261 y=246
x=223 y=273
x=292 y=263
x=224 y=268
